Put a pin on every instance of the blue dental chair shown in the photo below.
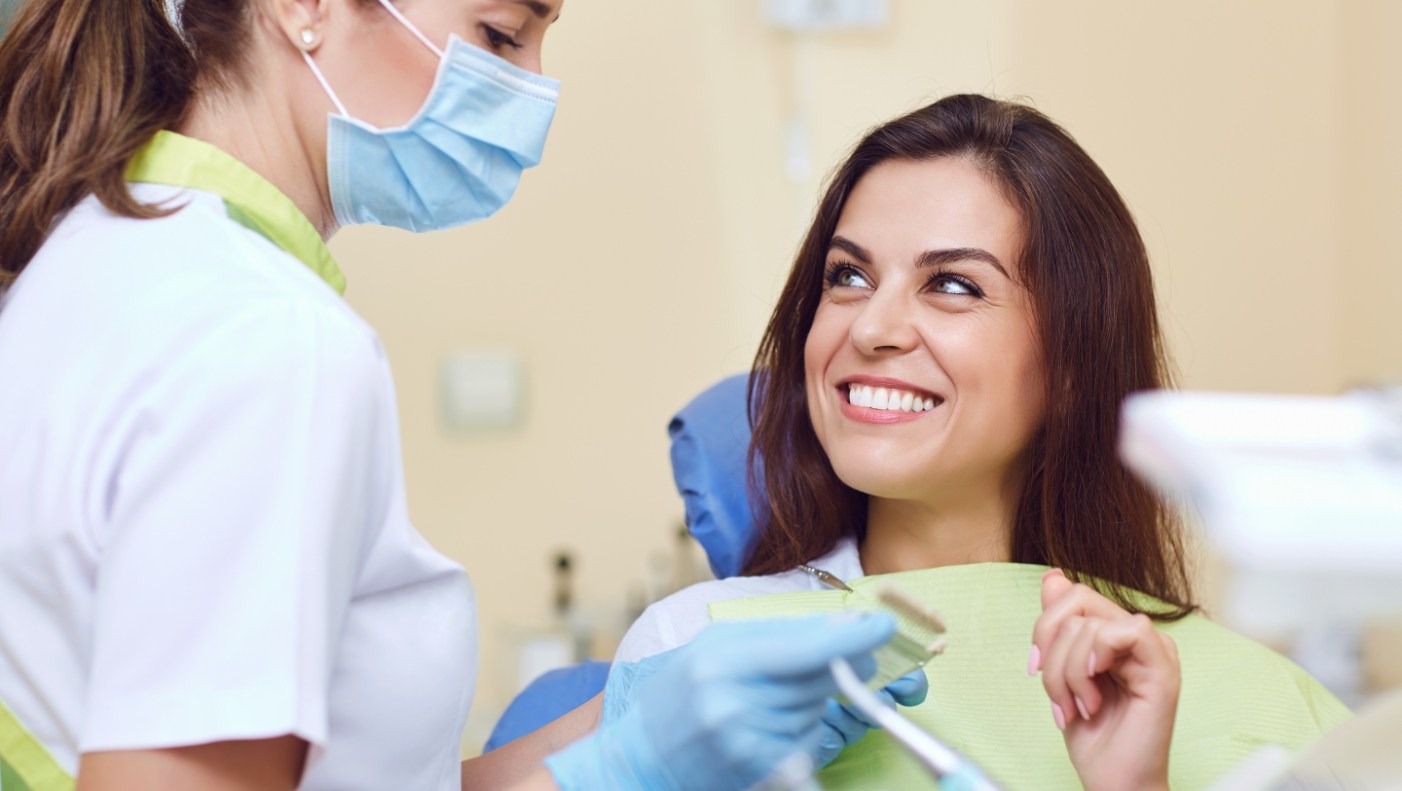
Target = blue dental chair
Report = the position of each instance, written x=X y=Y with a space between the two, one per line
x=710 y=442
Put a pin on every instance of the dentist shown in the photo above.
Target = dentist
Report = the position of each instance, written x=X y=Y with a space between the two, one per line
x=208 y=577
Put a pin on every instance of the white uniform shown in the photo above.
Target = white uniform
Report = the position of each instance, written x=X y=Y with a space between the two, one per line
x=203 y=530
x=677 y=619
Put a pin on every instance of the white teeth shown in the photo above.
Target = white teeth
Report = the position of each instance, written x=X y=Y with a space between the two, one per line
x=887 y=399
x=859 y=396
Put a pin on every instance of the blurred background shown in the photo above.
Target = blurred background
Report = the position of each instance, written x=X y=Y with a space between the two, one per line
x=1255 y=141
x=539 y=356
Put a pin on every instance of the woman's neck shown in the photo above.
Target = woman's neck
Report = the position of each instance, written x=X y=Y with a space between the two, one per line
x=903 y=535
x=260 y=132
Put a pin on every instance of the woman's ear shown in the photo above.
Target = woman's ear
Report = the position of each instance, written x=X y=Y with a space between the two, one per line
x=302 y=22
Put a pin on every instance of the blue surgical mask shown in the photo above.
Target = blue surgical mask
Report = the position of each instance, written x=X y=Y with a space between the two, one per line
x=458 y=160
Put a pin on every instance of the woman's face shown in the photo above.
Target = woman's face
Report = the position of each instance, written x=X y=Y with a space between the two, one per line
x=923 y=369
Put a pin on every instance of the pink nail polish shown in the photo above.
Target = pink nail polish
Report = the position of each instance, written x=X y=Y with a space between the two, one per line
x=1059 y=717
x=1034 y=661
x=1081 y=707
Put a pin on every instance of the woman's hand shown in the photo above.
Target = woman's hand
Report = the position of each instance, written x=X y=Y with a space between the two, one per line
x=1113 y=680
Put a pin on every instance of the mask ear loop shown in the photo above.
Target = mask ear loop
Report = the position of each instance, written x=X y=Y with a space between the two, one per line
x=325 y=86
x=394 y=12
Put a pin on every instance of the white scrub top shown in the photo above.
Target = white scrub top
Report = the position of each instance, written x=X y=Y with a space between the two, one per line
x=203 y=531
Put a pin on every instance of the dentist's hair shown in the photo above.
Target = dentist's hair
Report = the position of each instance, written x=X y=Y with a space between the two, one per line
x=84 y=84
x=1086 y=268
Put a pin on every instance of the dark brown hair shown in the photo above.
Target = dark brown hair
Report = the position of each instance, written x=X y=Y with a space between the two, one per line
x=1086 y=268
x=84 y=84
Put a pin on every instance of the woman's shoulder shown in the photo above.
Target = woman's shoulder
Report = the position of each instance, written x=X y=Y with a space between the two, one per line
x=178 y=286
x=197 y=255
x=678 y=618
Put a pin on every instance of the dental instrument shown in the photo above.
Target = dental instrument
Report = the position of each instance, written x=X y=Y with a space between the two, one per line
x=919 y=629
x=955 y=772
x=825 y=577
x=918 y=639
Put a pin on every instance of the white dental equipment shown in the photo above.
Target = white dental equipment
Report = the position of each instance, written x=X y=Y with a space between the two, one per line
x=1302 y=496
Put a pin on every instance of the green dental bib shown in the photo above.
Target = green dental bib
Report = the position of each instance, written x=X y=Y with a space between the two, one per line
x=1237 y=695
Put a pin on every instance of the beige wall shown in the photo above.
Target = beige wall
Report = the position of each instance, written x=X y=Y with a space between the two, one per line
x=1253 y=140
x=1370 y=282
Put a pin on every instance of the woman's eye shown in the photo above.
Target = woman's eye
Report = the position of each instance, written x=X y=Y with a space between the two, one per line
x=497 y=39
x=848 y=277
x=948 y=284
x=853 y=279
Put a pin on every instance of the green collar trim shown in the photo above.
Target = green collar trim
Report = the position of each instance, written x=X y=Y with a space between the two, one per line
x=251 y=200
x=24 y=763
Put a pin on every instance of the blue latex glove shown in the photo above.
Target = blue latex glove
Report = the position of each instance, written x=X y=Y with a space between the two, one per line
x=843 y=726
x=724 y=710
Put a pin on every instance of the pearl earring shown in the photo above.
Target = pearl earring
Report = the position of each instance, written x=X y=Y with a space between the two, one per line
x=308 y=36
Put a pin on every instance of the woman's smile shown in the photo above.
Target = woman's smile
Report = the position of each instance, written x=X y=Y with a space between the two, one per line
x=884 y=401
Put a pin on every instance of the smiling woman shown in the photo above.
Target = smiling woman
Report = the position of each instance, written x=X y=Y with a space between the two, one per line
x=967 y=248
x=915 y=295
x=935 y=404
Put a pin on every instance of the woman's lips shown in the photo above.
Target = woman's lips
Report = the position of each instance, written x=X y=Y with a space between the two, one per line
x=882 y=402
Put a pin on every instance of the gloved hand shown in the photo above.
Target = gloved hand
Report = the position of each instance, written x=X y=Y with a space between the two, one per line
x=723 y=711
x=843 y=726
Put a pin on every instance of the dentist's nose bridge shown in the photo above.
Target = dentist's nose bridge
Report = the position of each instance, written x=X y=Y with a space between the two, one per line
x=886 y=323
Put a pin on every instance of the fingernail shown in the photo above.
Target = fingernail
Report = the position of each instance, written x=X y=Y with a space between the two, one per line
x=1034 y=661
x=1059 y=717
x=1090 y=665
x=1081 y=707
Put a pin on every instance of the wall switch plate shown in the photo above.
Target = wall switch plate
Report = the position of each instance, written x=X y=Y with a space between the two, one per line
x=482 y=390
x=804 y=15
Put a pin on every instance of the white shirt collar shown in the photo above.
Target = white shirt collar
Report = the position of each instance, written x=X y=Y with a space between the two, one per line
x=843 y=562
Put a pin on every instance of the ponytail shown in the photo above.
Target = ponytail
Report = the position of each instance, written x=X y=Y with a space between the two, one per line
x=84 y=84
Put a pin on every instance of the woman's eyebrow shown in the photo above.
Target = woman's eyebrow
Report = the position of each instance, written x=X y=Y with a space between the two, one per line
x=931 y=258
x=851 y=248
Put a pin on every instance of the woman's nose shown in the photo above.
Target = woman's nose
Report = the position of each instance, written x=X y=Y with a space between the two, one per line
x=884 y=326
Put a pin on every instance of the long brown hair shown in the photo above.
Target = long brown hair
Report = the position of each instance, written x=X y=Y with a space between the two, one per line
x=1087 y=270
x=84 y=84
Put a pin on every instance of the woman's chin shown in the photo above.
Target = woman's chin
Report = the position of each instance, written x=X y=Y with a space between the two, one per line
x=888 y=484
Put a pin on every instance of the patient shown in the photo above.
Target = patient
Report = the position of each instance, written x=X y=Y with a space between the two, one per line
x=940 y=389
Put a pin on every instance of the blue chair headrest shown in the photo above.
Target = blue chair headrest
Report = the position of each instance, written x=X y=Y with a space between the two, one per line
x=710 y=442
x=710 y=445
x=548 y=698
